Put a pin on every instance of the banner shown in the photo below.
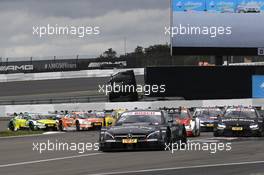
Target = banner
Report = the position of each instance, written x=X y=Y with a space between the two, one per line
x=258 y=86
x=218 y=24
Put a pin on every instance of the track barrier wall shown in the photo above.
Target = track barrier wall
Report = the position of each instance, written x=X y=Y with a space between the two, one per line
x=204 y=82
x=44 y=108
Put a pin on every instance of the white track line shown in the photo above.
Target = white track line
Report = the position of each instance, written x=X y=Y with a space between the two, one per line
x=179 y=168
x=21 y=136
x=30 y=135
x=48 y=160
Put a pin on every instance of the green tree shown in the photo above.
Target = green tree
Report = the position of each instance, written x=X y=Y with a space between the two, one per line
x=110 y=53
x=139 y=50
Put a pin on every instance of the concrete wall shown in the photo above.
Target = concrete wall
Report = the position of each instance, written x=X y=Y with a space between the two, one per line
x=64 y=75
x=129 y=105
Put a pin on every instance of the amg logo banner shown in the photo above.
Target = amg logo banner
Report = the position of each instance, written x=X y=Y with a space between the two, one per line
x=98 y=64
x=60 y=66
x=16 y=68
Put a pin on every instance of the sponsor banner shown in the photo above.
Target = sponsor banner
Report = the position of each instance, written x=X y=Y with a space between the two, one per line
x=218 y=26
x=143 y=113
x=218 y=6
x=241 y=109
x=58 y=65
x=258 y=86
x=52 y=66
x=16 y=68
x=189 y=5
x=118 y=64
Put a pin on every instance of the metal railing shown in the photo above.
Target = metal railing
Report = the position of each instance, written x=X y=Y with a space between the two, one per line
x=36 y=58
x=55 y=100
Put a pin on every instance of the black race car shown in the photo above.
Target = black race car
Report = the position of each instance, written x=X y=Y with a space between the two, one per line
x=239 y=121
x=141 y=129
x=207 y=117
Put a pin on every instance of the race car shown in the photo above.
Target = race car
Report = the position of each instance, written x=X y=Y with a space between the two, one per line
x=33 y=122
x=97 y=119
x=18 y=122
x=207 y=117
x=109 y=118
x=42 y=121
x=67 y=122
x=239 y=121
x=183 y=116
x=141 y=129
x=81 y=121
x=118 y=112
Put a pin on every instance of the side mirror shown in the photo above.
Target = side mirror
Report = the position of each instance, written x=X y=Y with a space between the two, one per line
x=109 y=123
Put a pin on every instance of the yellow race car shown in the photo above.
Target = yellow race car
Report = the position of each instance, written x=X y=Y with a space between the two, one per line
x=118 y=112
x=33 y=122
x=110 y=118
x=112 y=115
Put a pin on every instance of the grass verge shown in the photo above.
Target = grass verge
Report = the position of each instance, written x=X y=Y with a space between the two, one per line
x=18 y=133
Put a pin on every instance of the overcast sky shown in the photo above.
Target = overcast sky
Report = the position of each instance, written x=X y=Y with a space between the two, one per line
x=142 y=22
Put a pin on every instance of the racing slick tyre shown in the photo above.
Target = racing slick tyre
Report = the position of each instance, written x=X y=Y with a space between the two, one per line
x=31 y=126
x=78 y=128
x=103 y=148
x=55 y=128
x=197 y=132
x=11 y=126
x=261 y=133
x=216 y=134
x=183 y=139
x=184 y=136
x=168 y=140
x=60 y=126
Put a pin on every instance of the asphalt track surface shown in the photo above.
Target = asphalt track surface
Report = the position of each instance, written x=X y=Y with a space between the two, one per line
x=17 y=157
x=42 y=88
x=3 y=124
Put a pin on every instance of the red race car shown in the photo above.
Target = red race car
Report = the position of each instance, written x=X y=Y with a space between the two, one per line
x=184 y=117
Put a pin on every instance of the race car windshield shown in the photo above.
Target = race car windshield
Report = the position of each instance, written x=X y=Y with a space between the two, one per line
x=208 y=113
x=240 y=114
x=38 y=117
x=84 y=116
x=178 y=115
x=100 y=115
x=150 y=119
x=108 y=113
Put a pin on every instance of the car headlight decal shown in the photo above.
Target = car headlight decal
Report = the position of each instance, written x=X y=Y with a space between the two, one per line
x=85 y=123
x=108 y=136
x=254 y=126
x=221 y=126
x=37 y=123
x=154 y=135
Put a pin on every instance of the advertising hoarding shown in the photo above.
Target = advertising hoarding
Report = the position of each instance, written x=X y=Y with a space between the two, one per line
x=217 y=27
x=258 y=86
